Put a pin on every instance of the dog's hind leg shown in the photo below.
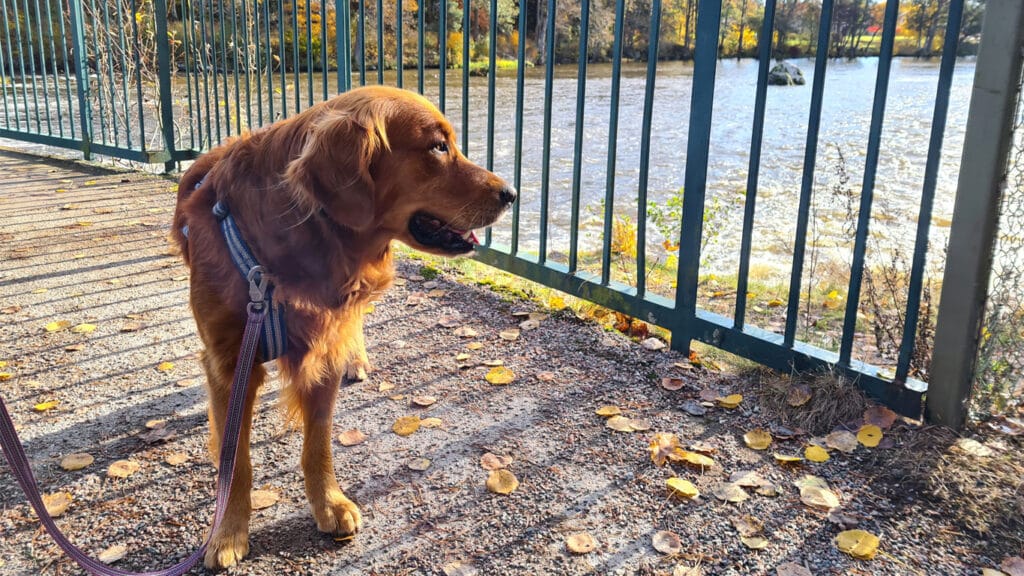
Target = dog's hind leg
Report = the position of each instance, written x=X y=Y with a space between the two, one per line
x=230 y=543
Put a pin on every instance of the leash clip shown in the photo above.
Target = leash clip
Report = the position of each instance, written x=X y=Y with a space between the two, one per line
x=257 y=286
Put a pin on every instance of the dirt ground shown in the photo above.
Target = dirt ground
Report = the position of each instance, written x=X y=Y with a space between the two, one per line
x=84 y=245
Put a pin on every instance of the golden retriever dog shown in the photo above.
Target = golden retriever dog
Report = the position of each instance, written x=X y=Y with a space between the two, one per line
x=318 y=199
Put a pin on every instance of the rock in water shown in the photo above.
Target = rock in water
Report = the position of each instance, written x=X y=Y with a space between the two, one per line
x=785 y=74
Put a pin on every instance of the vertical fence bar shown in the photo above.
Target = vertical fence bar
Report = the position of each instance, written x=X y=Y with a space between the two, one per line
x=613 y=139
x=344 y=38
x=296 y=60
x=465 y=76
x=124 y=72
x=309 y=53
x=645 y=150
x=807 y=185
x=517 y=171
x=399 y=46
x=577 y=147
x=164 y=74
x=257 y=26
x=247 y=63
x=284 y=59
x=10 y=60
x=867 y=193
x=81 y=74
x=545 y=178
x=380 y=41
x=931 y=174
x=32 y=62
x=3 y=90
x=207 y=62
x=223 y=71
x=109 y=57
x=492 y=39
x=21 y=62
x=325 y=65
x=976 y=212
x=442 y=49
x=46 y=78
x=67 y=74
x=56 y=75
x=698 y=144
x=764 y=50
x=420 y=31
x=361 y=42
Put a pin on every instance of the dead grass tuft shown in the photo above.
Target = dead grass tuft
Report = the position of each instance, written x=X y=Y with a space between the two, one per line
x=984 y=494
x=834 y=400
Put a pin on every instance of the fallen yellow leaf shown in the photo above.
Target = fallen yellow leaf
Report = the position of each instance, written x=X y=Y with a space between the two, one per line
x=667 y=542
x=351 y=437
x=406 y=425
x=44 y=406
x=816 y=454
x=260 y=499
x=730 y=401
x=502 y=482
x=57 y=503
x=76 y=461
x=123 y=469
x=608 y=410
x=682 y=488
x=580 y=543
x=758 y=439
x=165 y=366
x=817 y=497
x=500 y=375
x=84 y=328
x=869 y=435
x=5 y=376
x=786 y=458
x=57 y=325
x=112 y=554
x=858 y=543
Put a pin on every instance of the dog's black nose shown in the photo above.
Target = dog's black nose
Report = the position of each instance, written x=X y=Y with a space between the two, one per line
x=507 y=194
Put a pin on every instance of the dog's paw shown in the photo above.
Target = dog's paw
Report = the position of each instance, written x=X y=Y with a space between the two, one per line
x=226 y=549
x=357 y=370
x=338 y=515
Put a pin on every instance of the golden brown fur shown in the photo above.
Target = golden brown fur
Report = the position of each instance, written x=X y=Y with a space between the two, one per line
x=318 y=197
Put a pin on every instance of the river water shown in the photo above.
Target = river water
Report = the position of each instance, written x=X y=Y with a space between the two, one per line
x=846 y=117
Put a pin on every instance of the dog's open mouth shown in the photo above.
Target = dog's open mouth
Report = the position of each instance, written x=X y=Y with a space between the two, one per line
x=433 y=232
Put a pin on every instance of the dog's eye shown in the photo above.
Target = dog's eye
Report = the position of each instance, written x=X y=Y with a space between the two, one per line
x=441 y=148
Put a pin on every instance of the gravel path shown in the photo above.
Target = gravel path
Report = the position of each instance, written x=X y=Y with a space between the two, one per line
x=85 y=245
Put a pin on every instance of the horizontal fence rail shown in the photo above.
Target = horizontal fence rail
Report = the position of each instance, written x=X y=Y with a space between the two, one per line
x=623 y=201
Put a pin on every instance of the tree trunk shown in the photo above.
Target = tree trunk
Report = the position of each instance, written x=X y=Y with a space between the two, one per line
x=743 y=28
x=933 y=25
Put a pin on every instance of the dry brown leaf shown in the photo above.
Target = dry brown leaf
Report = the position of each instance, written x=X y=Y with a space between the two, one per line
x=156 y=423
x=869 y=435
x=424 y=401
x=76 y=461
x=432 y=422
x=662 y=446
x=1013 y=566
x=639 y=424
x=682 y=488
x=57 y=503
x=466 y=332
x=112 y=554
x=500 y=375
x=798 y=395
x=490 y=461
x=683 y=570
x=157 y=435
x=747 y=525
x=841 y=440
x=176 y=458
x=463 y=356
x=747 y=479
x=972 y=447
x=709 y=394
x=692 y=458
x=352 y=437
x=992 y=572
x=260 y=499
x=693 y=408
x=653 y=344
x=123 y=468
x=810 y=480
x=672 y=384
x=475 y=345
x=880 y=416
x=546 y=376
x=494 y=362
x=620 y=424
x=758 y=439
x=502 y=482
x=667 y=542
x=418 y=464
x=754 y=542
x=858 y=543
x=580 y=543
x=817 y=497
x=406 y=425
x=385 y=386
x=460 y=569
x=527 y=325
x=511 y=334
x=729 y=492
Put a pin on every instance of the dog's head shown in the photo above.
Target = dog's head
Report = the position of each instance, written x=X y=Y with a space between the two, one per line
x=384 y=160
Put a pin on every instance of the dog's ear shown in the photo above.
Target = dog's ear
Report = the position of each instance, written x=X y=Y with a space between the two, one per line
x=334 y=168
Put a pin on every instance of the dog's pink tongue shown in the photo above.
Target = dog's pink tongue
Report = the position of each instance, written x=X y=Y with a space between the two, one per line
x=473 y=238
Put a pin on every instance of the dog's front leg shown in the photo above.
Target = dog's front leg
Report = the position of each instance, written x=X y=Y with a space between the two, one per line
x=333 y=511
x=230 y=543
x=358 y=363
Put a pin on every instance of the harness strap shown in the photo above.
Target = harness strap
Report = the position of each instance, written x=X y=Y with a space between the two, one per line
x=273 y=336
x=22 y=470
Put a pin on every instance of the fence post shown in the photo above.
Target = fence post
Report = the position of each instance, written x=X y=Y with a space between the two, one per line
x=976 y=212
x=343 y=40
x=81 y=74
x=163 y=56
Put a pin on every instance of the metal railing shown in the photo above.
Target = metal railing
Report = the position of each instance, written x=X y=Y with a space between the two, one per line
x=121 y=78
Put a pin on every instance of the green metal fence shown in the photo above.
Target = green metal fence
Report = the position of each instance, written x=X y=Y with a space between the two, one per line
x=155 y=82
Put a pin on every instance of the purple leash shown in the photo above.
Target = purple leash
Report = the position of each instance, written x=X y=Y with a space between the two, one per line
x=15 y=453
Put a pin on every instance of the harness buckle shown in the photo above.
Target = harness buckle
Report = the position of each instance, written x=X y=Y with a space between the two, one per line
x=257 y=286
